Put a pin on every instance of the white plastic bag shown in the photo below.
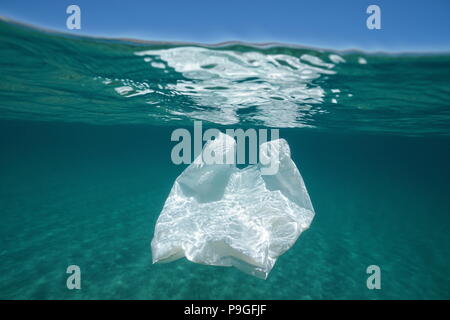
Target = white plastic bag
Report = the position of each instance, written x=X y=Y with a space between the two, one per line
x=217 y=214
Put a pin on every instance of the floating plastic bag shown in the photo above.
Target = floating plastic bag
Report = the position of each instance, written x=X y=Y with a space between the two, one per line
x=218 y=214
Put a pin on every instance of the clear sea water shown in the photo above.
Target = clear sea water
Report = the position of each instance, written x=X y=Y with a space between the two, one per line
x=85 y=164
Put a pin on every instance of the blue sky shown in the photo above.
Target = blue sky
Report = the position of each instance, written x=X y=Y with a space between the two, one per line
x=414 y=25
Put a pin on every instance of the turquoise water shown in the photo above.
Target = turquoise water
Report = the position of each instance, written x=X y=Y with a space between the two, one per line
x=85 y=165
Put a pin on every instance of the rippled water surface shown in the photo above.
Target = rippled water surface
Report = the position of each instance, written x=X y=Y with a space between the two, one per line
x=85 y=165
x=61 y=78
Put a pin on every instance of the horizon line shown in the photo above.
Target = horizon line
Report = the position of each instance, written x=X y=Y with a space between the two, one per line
x=269 y=44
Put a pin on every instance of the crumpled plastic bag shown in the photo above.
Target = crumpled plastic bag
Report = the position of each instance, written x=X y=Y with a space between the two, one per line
x=218 y=214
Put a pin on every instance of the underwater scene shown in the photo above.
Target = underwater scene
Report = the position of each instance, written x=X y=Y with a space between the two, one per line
x=86 y=168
